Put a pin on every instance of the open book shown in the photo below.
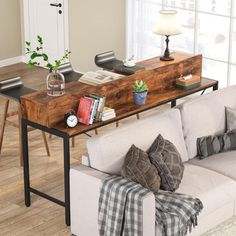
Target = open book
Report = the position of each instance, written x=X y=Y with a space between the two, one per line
x=99 y=77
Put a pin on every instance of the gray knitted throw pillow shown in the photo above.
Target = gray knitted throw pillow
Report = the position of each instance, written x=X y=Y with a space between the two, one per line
x=138 y=168
x=166 y=158
x=209 y=145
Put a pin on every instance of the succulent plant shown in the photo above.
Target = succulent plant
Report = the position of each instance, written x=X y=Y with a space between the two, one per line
x=140 y=86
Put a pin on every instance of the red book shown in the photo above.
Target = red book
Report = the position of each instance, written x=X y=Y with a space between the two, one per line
x=84 y=110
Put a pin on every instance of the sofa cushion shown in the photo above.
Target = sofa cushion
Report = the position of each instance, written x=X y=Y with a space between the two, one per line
x=166 y=158
x=212 y=188
x=138 y=168
x=230 y=118
x=205 y=115
x=223 y=163
x=107 y=151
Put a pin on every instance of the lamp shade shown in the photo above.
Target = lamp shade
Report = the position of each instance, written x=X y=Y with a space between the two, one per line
x=168 y=23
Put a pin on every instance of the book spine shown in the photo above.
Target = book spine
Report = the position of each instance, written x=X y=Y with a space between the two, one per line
x=108 y=113
x=101 y=108
x=84 y=110
x=100 y=105
x=93 y=112
x=108 y=117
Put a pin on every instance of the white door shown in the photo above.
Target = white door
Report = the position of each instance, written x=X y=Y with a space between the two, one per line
x=49 y=19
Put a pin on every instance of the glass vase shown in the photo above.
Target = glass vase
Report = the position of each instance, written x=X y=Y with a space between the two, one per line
x=55 y=84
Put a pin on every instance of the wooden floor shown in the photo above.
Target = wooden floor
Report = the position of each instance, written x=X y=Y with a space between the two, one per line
x=43 y=217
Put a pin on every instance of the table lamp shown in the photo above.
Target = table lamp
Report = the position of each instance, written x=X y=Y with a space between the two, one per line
x=168 y=25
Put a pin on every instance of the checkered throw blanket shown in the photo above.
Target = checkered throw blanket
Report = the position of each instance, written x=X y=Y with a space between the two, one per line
x=120 y=209
x=176 y=213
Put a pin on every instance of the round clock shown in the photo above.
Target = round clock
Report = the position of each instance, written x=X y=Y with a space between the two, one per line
x=70 y=119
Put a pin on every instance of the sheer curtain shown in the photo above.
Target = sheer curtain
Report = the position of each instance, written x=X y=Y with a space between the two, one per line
x=209 y=28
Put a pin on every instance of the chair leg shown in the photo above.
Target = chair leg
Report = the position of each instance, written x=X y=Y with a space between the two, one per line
x=73 y=142
x=96 y=131
x=50 y=136
x=3 y=122
x=117 y=123
x=138 y=117
x=45 y=143
x=20 y=136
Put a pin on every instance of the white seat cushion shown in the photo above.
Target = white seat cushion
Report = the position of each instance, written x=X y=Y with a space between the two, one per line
x=223 y=163
x=107 y=151
x=205 y=115
x=213 y=189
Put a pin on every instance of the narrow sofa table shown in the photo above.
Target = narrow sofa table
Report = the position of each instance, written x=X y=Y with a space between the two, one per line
x=118 y=96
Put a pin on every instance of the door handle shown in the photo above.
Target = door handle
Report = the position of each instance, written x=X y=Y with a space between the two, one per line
x=56 y=5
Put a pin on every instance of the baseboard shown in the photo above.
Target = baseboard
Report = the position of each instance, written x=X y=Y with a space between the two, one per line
x=11 y=61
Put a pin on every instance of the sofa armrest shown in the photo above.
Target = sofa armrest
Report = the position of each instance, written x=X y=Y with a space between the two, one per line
x=85 y=184
x=85 y=160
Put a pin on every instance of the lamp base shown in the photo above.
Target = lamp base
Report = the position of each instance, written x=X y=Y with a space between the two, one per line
x=165 y=58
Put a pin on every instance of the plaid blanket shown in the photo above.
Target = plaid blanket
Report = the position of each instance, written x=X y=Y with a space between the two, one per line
x=176 y=213
x=120 y=209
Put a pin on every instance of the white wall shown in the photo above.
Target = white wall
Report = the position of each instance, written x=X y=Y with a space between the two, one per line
x=95 y=26
x=10 y=29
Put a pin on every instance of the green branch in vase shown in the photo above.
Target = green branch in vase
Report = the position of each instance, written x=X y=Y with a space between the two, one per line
x=38 y=53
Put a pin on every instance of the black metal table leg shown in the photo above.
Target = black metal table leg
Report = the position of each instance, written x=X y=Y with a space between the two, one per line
x=66 y=141
x=26 y=162
x=216 y=86
x=173 y=103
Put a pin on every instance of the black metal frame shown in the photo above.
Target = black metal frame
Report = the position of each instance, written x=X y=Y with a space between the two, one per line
x=28 y=189
x=66 y=139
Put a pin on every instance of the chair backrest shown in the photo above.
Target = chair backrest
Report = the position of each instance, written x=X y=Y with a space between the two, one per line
x=11 y=83
x=66 y=68
x=105 y=57
x=14 y=88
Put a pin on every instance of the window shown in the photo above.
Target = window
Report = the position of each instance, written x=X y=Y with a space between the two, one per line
x=209 y=28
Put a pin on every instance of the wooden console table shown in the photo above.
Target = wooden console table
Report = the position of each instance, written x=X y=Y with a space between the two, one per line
x=160 y=77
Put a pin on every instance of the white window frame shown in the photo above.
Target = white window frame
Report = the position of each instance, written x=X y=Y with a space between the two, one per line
x=231 y=17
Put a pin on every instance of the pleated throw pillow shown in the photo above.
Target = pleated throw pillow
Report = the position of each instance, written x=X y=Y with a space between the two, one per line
x=138 y=168
x=213 y=144
x=166 y=158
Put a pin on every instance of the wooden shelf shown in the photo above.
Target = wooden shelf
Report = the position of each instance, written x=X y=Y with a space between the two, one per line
x=160 y=77
x=154 y=99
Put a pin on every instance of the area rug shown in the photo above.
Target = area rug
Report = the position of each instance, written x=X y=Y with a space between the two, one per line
x=227 y=228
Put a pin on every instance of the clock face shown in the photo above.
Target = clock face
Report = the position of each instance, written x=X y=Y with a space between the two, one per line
x=72 y=121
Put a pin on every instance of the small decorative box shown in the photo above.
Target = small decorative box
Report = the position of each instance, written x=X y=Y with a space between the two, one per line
x=188 y=82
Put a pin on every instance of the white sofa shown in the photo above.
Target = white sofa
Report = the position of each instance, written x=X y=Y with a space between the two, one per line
x=213 y=179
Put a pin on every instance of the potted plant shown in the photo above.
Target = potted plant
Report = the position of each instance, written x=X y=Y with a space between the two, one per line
x=140 y=90
x=55 y=79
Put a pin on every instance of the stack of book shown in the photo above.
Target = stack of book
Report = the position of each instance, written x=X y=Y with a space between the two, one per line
x=188 y=82
x=91 y=108
x=108 y=113
x=99 y=77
